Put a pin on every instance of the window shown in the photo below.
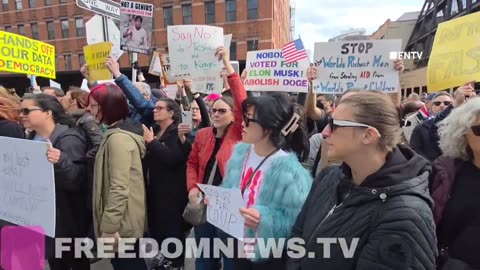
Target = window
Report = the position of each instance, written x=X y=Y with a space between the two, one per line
x=454 y=8
x=63 y=1
x=32 y=3
x=8 y=29
x=209 y=12
x=19 y=4
x=187 y=14
x=68 y=62
x=81 y=59
x=51 y=30
x=252 y=45
x=231 y=10
x=252 y=12
x=64 y=28
x=233 y=50
x=167 y=16
x=464 y=4
x=35 y=34
x=48 y=2
x=80 y=27
x=5 y=5
x=21 y=29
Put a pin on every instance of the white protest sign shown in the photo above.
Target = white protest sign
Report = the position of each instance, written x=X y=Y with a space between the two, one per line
x=267 y=71
x=85 y=85
x=223 y=210
x=171 y=90
x=136 y=26
x=192 y=49
x=356 y=65
x=55 y=84
x=27 y=184
x=227 y=41
x=155 y=65
x=236 y=66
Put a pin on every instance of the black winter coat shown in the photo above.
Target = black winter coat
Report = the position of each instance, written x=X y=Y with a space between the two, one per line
x=390 y=213
x=11 y=129
x=166 y=185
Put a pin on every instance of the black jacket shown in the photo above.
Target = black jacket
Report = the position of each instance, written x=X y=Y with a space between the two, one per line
x=11 y=129
x=390 y=213
x=166 y=184
x=425 y=138
x=87 y=123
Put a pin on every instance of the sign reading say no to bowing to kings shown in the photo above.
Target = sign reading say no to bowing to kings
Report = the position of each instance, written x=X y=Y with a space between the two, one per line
x=19 y=54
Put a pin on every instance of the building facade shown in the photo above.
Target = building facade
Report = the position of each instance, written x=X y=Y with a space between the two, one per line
x=255 y=25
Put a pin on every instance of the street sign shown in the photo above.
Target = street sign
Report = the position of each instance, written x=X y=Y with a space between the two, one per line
x=103 y=7
x=96 y=35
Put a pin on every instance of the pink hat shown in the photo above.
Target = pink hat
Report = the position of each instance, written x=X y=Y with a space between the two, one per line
x=213 y=96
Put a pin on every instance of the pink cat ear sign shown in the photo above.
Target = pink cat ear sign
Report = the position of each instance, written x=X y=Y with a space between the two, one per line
x=22 y=248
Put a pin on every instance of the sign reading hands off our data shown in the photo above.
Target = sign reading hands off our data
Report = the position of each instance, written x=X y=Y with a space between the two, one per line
x=24 y=55
x=223 y=210
x=27 y=184
x=455 y=56
x=349 y=65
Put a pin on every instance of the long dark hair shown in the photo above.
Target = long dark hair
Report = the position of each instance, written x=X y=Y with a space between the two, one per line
x=50 y=103
x=273 y=113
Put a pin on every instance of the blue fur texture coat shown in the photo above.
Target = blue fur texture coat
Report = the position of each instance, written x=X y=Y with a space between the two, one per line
x=283 y=192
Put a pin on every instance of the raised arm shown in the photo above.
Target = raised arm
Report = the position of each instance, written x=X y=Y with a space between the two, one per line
x=313 y=112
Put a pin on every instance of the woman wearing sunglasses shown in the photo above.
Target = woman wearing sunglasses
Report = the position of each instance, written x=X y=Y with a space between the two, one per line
x=455 y=188
x=212 y=149
x=376 y=205
x=46 y=117
x=165 y=166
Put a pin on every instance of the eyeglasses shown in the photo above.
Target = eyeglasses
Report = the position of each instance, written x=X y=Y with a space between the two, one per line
x=194 y=109
x=26 y=111
x=438 y=103
x=220 y=111
x=159 y=108
x=247 y=120
x=334 y=124
x=476 y=130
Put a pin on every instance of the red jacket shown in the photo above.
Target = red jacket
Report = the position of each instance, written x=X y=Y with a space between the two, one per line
x=204 y=143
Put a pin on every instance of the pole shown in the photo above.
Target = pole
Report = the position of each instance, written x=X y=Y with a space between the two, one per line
x=134 y=72
x=105 y=28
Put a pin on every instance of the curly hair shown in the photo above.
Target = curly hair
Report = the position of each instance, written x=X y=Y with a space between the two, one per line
x=9 y=109
x=452 y=130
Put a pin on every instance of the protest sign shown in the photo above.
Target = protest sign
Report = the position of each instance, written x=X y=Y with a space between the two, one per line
x=227 y=41
x=267 y=71
x=223 y=210
x=192 y=49
x=85 y=85
x=27 y=184
x=171 y=90
x=155 y=65
x=19 y=54
x=348 y=65
x=55 y=84
x=169 y=77
x=136 y=26
x=96 y=56
x=454 y=59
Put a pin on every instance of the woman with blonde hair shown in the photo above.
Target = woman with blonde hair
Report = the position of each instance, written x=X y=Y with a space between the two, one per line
x=455 y=188
x=377 y=200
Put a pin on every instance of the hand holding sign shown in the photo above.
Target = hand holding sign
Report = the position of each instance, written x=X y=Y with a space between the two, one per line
x=252 y=217
x=113 y=67
x=462 y=94
x=398 y=65
x=53 y=154
x=224 y=55
x=312 y=74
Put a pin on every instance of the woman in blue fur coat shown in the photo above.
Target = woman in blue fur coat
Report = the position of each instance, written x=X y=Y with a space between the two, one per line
x=267 y=170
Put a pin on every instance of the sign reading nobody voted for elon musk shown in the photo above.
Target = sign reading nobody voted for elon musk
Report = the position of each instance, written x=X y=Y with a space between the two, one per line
x=19 y=54
x=267 y=71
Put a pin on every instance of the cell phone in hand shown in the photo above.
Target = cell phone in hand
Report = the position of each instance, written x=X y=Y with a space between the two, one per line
x=187 y=118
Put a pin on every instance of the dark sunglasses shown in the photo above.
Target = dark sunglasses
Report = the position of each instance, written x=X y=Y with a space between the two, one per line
x=220 y=111
x=334 y=124
x=438 y=103
x=476 y=130
x=247 y=120
x=26 y=111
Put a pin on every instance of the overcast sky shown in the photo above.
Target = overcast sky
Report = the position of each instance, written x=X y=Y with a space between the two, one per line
x=320 y=20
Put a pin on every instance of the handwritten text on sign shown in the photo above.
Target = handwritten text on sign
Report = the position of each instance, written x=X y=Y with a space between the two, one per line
x=192 y=49
x=455 y=57
x=27 y=187
x=96 y=57
x=223 y=209
x=267 y=71
x=356 y=65
x=19 y=54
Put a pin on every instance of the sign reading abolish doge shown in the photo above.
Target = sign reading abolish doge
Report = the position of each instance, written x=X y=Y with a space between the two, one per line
x=455 y=57
x=96 y=56
x=19 y=54
x=267 y=71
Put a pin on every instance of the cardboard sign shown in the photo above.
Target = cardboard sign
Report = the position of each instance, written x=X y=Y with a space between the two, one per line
x=348 y=65
x=96 y=56
x=19 y=54
x=267 y=71
x=192 y=49
x=454 y=59
x=136 y=26
x=155 y=65
x=27 y=184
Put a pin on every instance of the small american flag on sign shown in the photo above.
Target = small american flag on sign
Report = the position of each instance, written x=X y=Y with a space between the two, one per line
x=294 y=51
